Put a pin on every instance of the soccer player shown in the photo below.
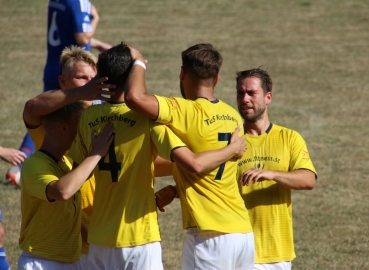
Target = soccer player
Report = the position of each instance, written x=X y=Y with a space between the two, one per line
x=124 y=231
x=218 y=230
x=70 y=22
x=50 y=234
x=276 y=162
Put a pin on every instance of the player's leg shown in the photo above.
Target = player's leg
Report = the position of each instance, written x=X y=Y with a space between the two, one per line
x=28 y=261
x=214 y=250
x=274 y=266
x=146 y=256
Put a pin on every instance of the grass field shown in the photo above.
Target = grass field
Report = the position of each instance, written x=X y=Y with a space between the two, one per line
x=317 y=53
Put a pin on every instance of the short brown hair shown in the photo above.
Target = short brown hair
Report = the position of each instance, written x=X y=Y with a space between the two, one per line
x=73 y=54
x=203 y=59
x=263 y=75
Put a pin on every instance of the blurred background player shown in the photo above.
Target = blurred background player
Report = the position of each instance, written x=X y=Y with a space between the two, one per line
x=276 y=162
x=4 y=265
x=70 y=22
x=218 y=229
x=124 y=231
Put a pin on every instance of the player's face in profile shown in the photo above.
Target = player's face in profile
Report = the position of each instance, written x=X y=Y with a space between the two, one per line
x=251 y=100
x=182 y=89
x=79 y=74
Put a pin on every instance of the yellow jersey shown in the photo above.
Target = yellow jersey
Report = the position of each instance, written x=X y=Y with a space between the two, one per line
x=87 y=189
x=209 y=200
x=124 y=212
x=269 y=203
x=49 y=229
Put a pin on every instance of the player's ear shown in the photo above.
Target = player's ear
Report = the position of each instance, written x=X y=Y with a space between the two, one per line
x=63 y=128
x=268 y=98
x=61 y=80
x=182 y=74
x=216 y=79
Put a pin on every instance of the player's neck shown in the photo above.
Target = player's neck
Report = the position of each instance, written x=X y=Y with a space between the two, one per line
x=202 y=92
x=258 y=127
x=57 y=150
x=119 y=96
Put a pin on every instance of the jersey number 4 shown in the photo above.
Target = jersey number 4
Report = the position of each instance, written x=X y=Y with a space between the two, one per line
x=222 y=137
x=113 y=166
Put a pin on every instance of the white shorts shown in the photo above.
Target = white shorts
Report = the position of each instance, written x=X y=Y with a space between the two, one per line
x=215 y=250
x=273 y=266
x=28 y=261
x=146 y=257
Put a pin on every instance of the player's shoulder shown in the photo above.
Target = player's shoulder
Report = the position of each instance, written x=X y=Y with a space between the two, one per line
x=285 y=131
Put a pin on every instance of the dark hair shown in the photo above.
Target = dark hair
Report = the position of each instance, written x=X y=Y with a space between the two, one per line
x=263 y=75
x=203 y=59
x=115 y=63
x=64 y=114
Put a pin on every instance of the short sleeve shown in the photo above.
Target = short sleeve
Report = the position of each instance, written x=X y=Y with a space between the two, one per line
x=300 y=158
x=165 y=140
x=81 y=12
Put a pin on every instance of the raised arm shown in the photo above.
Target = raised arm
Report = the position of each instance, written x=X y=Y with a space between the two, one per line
x=68 y=184
x=135 y=94
x=51 y=101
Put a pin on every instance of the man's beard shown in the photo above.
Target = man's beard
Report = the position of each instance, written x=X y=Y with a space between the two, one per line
x=254 y=117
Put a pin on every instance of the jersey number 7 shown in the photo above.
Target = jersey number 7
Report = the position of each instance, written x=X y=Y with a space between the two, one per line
x=222 y=137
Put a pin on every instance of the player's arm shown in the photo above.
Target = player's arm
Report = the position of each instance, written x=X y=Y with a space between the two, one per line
x=50 y=101
x=209 y=160
x=135 y=94
x=99 y=45
x=13 y=156
x=70 y=183
x=83 y=38
x=298 y=179
x=162 y=167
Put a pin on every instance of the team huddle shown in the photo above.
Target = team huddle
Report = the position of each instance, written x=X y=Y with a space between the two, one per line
x=88 y=199
x=230 y=186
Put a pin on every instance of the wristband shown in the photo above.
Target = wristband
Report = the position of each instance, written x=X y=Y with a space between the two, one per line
x=140 y=63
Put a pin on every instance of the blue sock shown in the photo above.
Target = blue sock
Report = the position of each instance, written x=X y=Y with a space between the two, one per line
x=27 y=146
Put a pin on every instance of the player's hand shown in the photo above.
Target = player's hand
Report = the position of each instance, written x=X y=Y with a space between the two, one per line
x=13 y=156
x=93 y=90
x=101 y=143
x=136 y=55
x=255 y=175
x=238 y=143
x=165 y=196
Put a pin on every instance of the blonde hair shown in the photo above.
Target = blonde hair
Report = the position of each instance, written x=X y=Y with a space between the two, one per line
x=74 y=54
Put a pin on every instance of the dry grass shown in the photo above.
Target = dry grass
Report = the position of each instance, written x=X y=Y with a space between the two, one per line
x=316 y=52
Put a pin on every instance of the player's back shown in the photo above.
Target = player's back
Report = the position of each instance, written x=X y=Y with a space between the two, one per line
x=214 y=201
x=124 y=212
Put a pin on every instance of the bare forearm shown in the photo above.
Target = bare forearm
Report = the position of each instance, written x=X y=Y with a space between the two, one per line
x=204 y=161
x=299 y=179
x=162 y=167
x=70 y=183
x=46 y=103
